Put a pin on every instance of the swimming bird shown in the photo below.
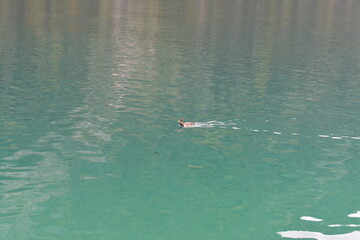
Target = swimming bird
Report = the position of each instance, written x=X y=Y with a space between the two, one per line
x=186 y=124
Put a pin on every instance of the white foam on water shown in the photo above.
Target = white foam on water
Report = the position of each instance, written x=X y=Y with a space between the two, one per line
x=277 y=133
x=200 y=125
x=323 y=136
x=255 y=130
x=308 y=218
x=211 y=122
x=357 y=138
x=295 y=134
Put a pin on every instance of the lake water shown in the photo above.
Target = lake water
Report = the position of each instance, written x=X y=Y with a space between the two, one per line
x=90 y=95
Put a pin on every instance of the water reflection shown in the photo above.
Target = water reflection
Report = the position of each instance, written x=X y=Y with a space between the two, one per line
x=273 y=51
x=321 y=236
x=44 y=63
x=28 y=179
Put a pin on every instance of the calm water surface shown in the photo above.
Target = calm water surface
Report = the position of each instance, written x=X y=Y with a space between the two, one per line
x=90 y=95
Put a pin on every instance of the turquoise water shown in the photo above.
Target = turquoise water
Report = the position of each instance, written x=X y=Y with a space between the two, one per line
x=91 y=92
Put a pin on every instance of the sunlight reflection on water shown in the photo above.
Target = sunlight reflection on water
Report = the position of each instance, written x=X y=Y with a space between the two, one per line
x=320 y=236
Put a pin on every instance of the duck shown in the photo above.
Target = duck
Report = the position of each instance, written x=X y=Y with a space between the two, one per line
x=186 y=124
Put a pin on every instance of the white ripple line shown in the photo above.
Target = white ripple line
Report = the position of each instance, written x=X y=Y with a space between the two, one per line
x=337 y=138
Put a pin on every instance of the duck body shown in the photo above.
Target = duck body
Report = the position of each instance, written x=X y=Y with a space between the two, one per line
x=186 y=124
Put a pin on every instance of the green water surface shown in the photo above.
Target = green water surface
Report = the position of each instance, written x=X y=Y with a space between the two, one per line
x=90 y=95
